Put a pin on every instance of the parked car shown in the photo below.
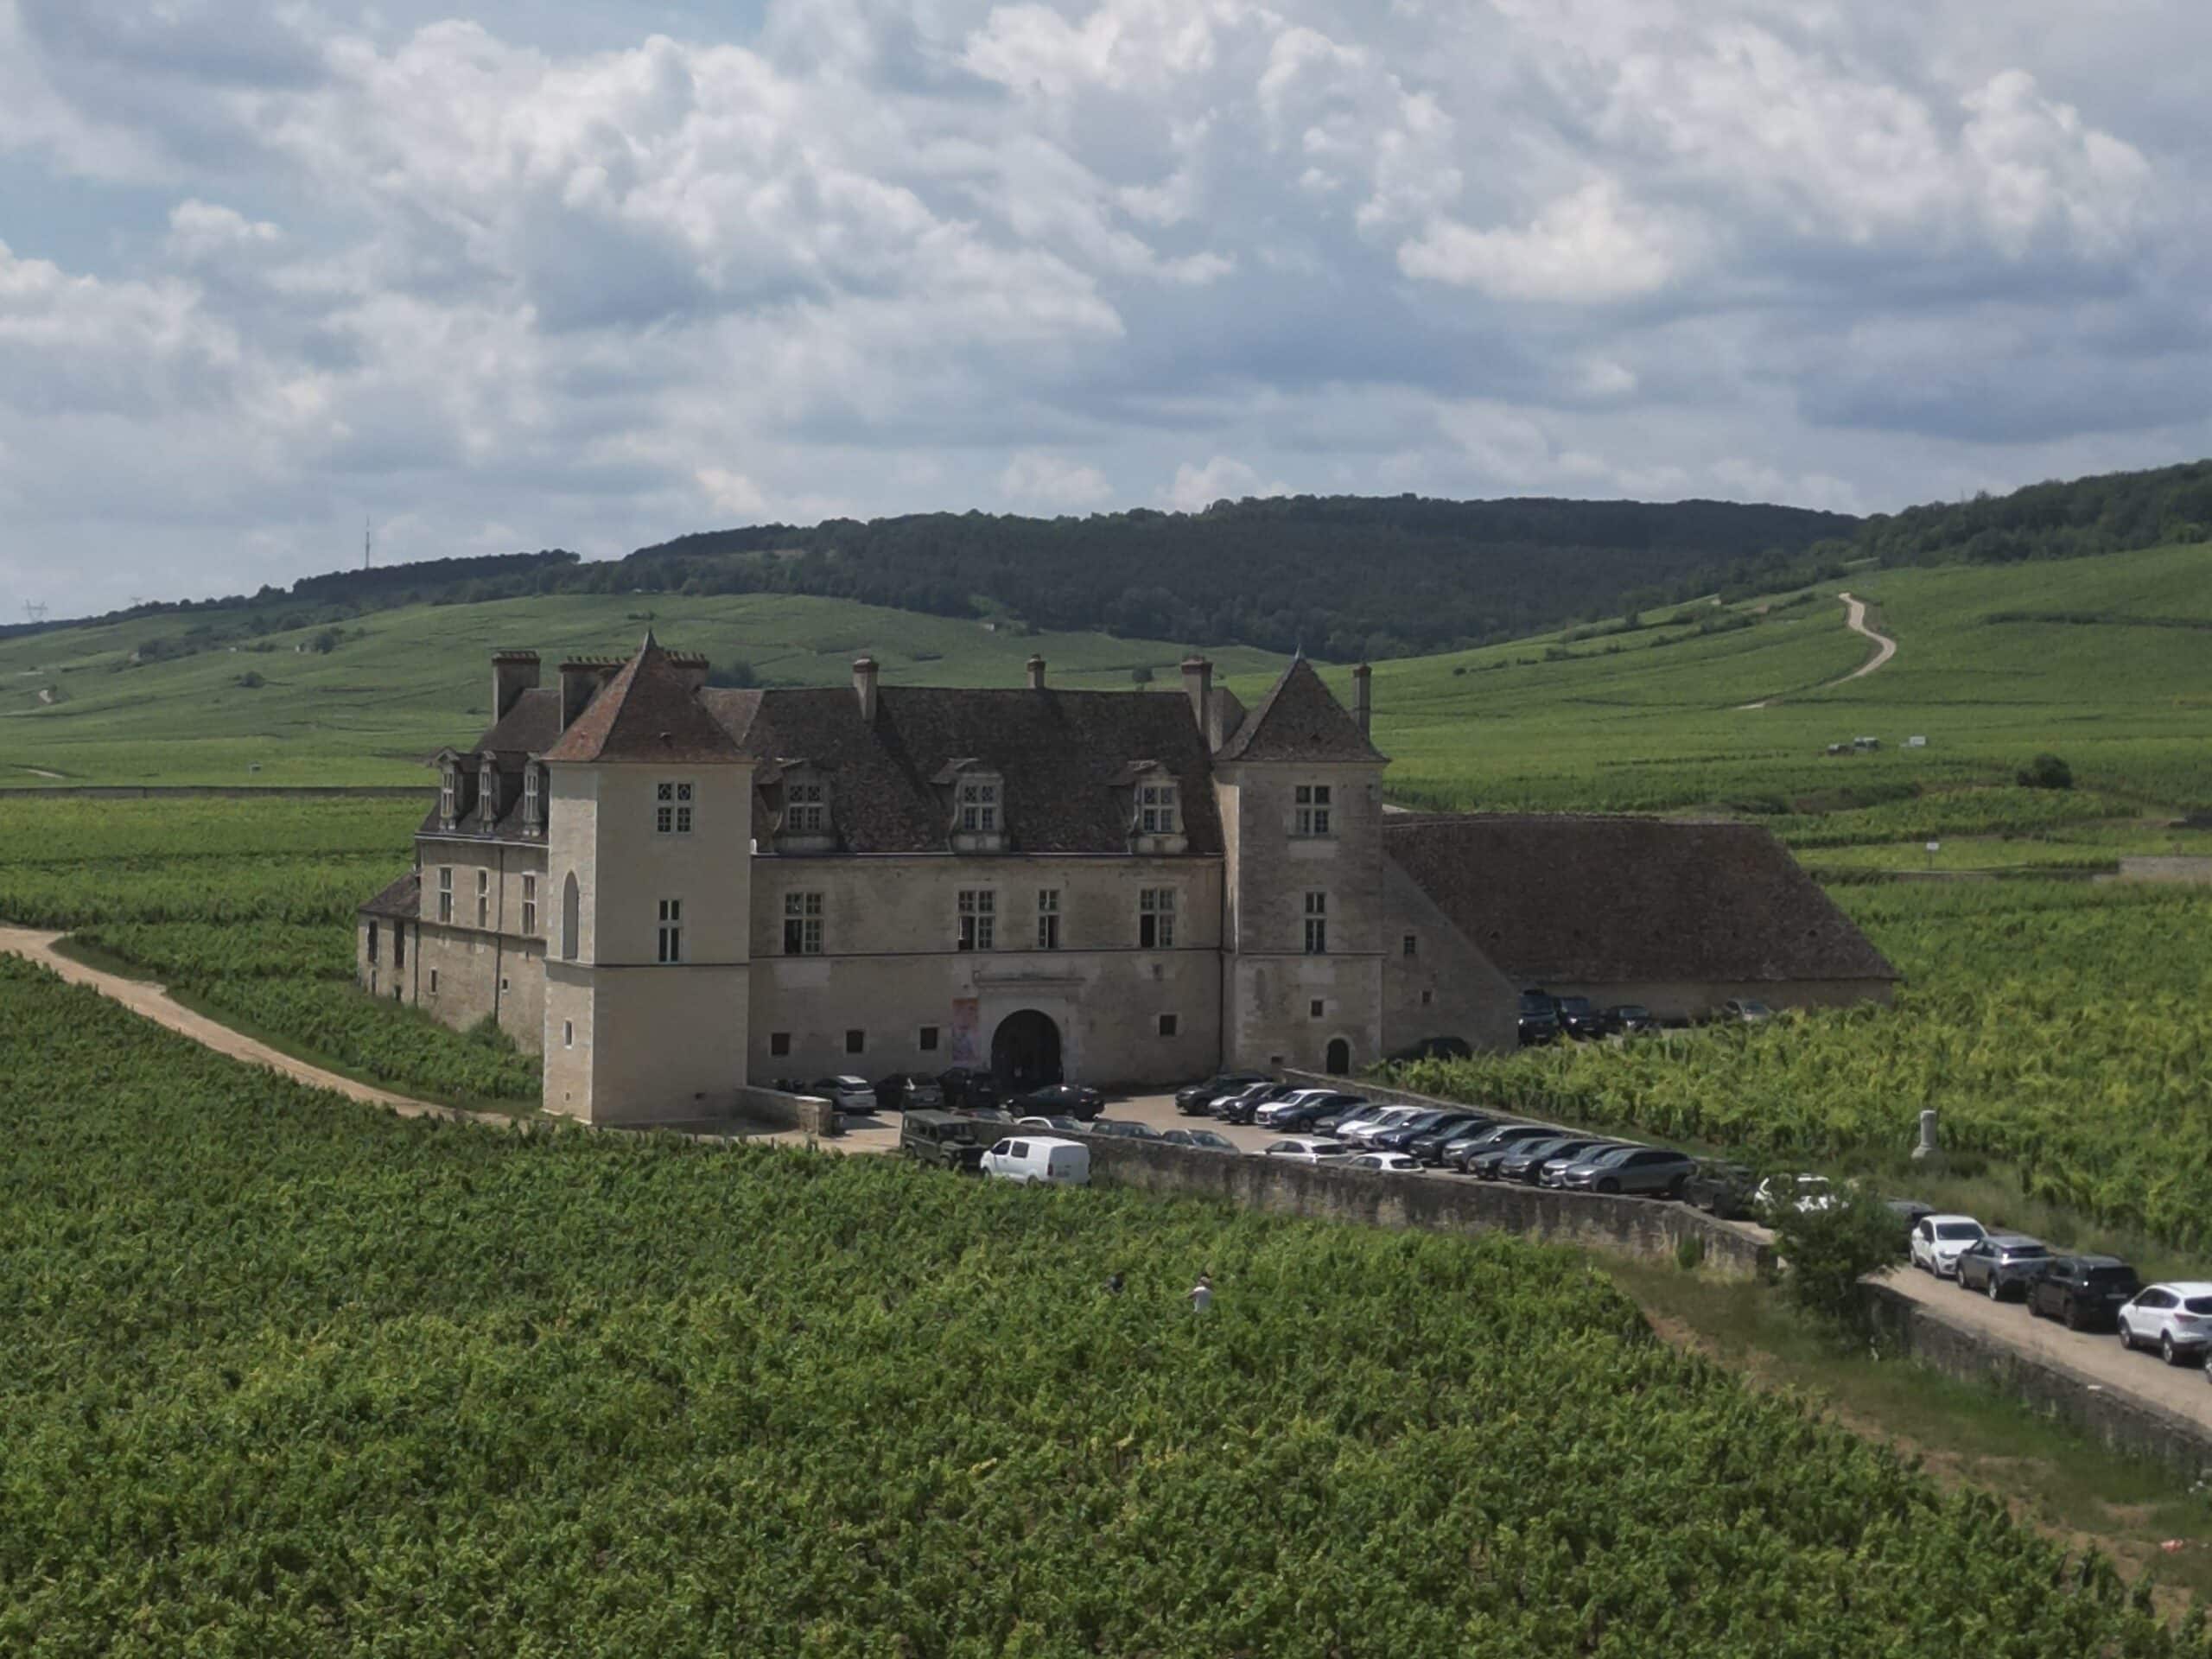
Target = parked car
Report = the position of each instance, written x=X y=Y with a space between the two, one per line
x=1908 y=1213
x=1657 y=1172
x=1577 y=1019
x=942 y=1138
x=1051 y=1125
x=1462 y=1155
x=1242 y=1106
x=1999 y=1264
x=1198 y=1097
x=1744 y=1011
x=1539 y=1023
x=1307 y=1149
x=1628 y=1019
x=1806 y=1194
x=1399 y=1136
x=1553 y=1170
x=1937 y=1240
x=1322 y=1106
x=1434 y=1048
x=903 y=1091
x=1205 y=1139
x=1039 y=1160
x=1383 y=1163
x=1344 y=1112
x=1526 y=1163
x=1062 y=1100
x=1270 y=1113
x=1128 y=1129
x=1367 y=1128
x=2175 y=1318
x=2082 y=1290
x=1720 y=1189
x=846 y=1094
x=965 y=1086
x=1428 y=1145
x=993 y=1115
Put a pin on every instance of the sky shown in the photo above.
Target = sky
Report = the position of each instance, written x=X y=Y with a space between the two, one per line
x=503 y=275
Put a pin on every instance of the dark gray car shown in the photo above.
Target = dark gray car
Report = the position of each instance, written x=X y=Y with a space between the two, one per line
x=2001 y=1264
x=1652 y=1171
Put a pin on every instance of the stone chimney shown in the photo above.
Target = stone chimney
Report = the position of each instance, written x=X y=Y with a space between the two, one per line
x=580 y=677
x=864 y=687
x=514 y=672
x=1362 y=696
x=1198 y=681
x=1036 y=673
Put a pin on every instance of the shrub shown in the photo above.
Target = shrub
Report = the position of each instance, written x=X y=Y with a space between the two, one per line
x=2046 y=771
x=737 y=676
x=1829 y=1251
x=251 y=681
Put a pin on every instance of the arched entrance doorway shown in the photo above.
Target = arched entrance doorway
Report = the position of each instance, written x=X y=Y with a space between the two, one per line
x=1026 y=1051
x=1340 y=1060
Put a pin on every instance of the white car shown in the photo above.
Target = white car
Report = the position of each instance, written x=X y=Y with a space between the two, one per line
x=846 y=1094
x=1266 y=1115
x=1937 y=1241
x=1367 y=1127
x=1308 y=1149
x=1039 y=1160
x=1384 y=1163
x=2175 y=1318
x=1808 y=1194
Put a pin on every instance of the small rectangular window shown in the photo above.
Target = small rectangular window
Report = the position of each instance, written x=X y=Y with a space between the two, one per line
x=928 y=1040
x=1317 y=924
x=433 y=981
x=1413 y=944
x=670 y=939
x=779 y=1043
x=1316 y=1008
x=802 y=923
x=503 y=986
x=1048 y=918
x=373 y=942
x=399 y=947
x=978 y=918
x=1156 y=918
x=1428 y=997
x=855 y=1041
x=449 y=793
x=1168 y=1025
x=445 y=893
x=529 y=906
x=1312 y=802
x=483 y=898
x=672 y=803
x=567 y=1033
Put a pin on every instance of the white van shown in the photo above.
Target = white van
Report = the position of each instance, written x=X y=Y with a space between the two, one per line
x=1040 y=1157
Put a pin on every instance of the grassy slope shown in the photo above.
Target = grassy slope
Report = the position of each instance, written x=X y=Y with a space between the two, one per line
x=418 y=678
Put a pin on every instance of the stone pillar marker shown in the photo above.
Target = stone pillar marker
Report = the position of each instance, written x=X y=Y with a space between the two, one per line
x=1927 y=1148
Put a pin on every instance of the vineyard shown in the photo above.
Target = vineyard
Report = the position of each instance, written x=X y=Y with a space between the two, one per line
x=247 y=907
x=2062 y=1027
x=288 y=1376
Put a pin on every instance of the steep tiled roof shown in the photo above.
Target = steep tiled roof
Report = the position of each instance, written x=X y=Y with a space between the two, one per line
x=1065 y=756
x=531 y=726
x=1597 y=900
x=647 y=712
x=403 y=898
x=1297 y=720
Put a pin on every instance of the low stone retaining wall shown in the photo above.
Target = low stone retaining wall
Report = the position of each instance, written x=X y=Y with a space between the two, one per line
x=2123 y=1422
x=1640 y=1227
x=773 y=1109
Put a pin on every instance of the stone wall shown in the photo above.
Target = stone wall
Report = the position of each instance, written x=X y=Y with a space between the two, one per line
x=2121 y=1421
x=2177 y=868
x=1639 y=1227
x=773 y=1109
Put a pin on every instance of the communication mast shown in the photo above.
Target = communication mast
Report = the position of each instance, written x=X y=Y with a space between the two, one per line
x=368 y=544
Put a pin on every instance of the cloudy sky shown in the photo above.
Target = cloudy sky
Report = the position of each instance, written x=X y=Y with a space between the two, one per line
x=510 y=274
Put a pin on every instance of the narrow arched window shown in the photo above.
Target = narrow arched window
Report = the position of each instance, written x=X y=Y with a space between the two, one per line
x=571 y=912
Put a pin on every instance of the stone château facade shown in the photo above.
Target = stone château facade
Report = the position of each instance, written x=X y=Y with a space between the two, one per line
x=671 y=890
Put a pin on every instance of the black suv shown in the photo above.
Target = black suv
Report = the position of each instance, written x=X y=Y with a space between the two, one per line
x=1193 y=1101
x=1578 y=1018
x=964 y=1086
x=1628 y=1019
x=1539 y=1021
x=1427 y=1146
x=946 y=1139
x=2082 y=1290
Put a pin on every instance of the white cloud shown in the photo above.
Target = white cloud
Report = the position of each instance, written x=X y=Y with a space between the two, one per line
x=1052 y=481
x=730 y=493
x=200 y=231
x=1586 y=249
x=1222 y=477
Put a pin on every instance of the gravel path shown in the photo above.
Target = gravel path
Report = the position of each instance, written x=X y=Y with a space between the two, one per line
x=1854 y=618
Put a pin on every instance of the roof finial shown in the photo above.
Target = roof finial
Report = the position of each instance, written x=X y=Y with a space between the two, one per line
x=650 y=644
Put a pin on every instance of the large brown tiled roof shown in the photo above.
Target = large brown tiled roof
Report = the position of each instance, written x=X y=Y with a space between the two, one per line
x=531 y=726
x=403 y=898
x=647 y=712
x=1596 y=900
x=1299 y=720
x=1066 y=758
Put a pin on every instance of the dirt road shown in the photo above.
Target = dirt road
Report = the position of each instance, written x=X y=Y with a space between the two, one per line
x=154 y=1003
x=1854 y=618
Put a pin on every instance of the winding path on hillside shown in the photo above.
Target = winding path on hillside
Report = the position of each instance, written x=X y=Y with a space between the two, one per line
x=154 y=1002
x=1854 y=618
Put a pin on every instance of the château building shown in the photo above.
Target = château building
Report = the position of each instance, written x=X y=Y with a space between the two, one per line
x=671 y=889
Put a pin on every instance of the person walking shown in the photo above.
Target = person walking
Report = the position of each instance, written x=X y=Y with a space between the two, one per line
x=1113 y=1284
x=1200 y=1295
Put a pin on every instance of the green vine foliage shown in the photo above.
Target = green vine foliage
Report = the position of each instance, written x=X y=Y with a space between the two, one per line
x=289 y=1376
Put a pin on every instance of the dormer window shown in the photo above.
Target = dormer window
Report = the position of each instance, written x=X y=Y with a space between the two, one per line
x=979 y=806
x=450 y=794
x=1159 y=812
x=530 y=808
x=487 y=791
x=806 y=808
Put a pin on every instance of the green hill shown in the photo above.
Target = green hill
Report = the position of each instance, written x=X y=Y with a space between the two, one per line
x=396 y=684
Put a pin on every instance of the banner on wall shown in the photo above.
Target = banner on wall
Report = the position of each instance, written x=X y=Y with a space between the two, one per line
x=967 y=1018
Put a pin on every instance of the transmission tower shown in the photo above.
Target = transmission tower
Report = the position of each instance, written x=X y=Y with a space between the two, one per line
x=368 y=544
x=35 y=613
